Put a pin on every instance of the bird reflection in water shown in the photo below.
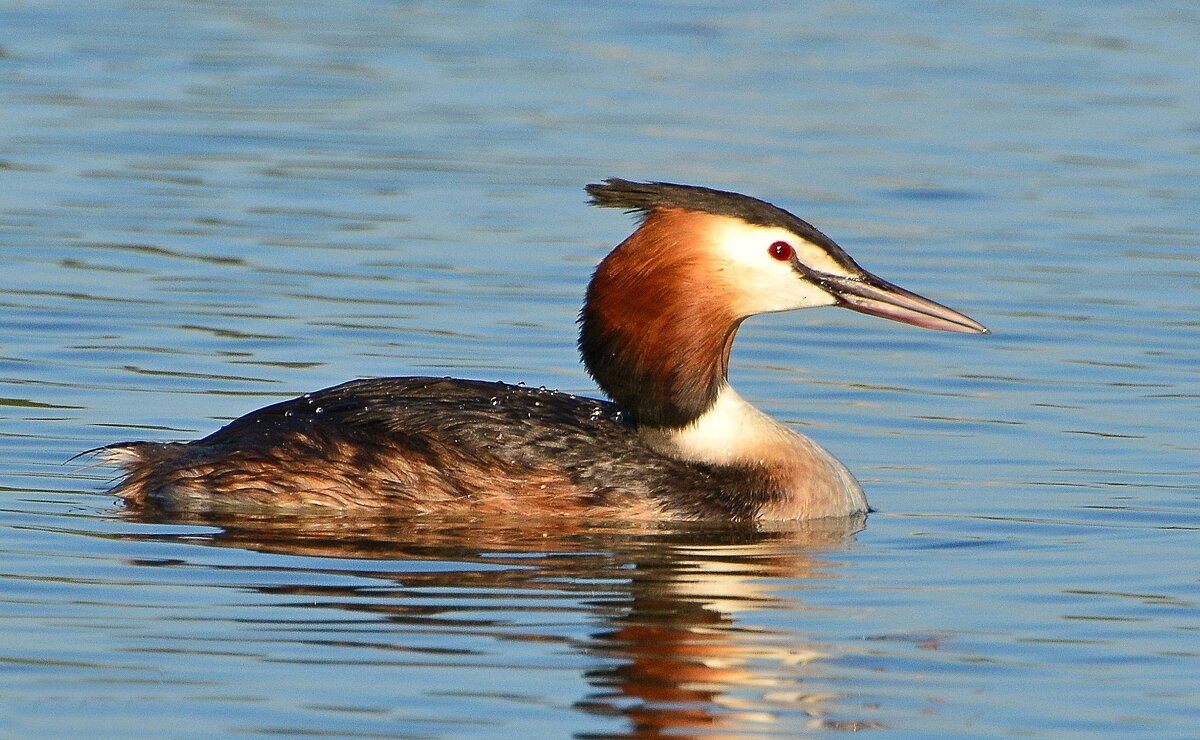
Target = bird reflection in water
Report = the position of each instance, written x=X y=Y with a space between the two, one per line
x=673 y=653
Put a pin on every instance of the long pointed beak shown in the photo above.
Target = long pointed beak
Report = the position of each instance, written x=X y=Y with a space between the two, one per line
x=871 y=295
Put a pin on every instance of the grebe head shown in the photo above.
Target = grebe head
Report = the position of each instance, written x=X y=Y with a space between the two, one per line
x=663 y=308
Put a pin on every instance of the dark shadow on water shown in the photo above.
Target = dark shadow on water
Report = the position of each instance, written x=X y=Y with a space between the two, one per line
x=669 y=654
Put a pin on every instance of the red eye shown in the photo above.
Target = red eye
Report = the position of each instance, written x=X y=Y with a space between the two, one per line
x=782 y=251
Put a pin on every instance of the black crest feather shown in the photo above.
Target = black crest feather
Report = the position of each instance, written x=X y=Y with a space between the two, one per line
x=644 y=197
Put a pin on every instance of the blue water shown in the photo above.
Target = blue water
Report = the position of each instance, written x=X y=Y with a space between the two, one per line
x=206 y=207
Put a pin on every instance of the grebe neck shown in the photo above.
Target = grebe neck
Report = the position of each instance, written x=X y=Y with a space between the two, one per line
x=656 y=330
x=730 y=432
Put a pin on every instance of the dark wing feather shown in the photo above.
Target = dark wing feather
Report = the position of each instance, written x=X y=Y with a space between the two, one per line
x=446 y=422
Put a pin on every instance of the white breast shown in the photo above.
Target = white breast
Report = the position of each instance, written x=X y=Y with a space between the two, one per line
x=734 y=432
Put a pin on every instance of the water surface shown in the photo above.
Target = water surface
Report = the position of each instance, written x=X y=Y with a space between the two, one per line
x=207 y=207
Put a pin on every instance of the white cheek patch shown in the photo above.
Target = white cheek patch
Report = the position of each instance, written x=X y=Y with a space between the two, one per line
x=760 y=283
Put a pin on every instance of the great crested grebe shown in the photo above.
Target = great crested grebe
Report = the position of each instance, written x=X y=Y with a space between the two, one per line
x=656 y=330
